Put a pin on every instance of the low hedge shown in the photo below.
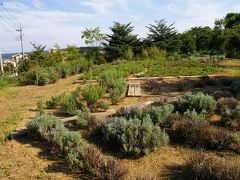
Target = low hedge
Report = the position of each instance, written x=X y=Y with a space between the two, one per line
x=79 y=155
x=199 y=102
x=46 y=75
x=134 y=137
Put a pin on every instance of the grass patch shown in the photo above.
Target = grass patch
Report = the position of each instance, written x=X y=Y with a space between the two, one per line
x=42 y=175
x=8 y=125
x=156 y=68
x=5 y=166
x=9 y=93
x=7 y=81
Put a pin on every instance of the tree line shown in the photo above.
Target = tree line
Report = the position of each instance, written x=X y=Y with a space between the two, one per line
x=162 y=38
x=224 y=38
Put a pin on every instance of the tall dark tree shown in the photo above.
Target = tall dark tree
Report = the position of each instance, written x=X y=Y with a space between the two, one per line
x=232 y=20
x=226 y=35
x=163 y=36
x=120 y=41
x=218 y=41
x=233 y=42
x=188 y=43
x=202 y=37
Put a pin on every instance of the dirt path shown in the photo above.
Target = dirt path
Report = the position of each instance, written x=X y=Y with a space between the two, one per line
x=19 y=103
x=20 y=159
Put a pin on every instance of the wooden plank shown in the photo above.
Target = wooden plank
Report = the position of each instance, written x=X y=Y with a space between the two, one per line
x=134 y=89
x=137 y=90
x=131 y=89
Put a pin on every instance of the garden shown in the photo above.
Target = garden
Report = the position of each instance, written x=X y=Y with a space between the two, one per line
x=185 y=124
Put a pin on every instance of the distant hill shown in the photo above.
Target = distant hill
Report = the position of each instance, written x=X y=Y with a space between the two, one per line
x=7 y=56
x=82 y=50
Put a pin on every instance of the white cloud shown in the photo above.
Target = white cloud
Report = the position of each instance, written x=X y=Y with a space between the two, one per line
x=16 y=6
x=37 y=4
x=104 y=6
x=64 y=23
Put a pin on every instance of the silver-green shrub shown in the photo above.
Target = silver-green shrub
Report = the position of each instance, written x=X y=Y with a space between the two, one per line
x=82 y=121
x=134 y=136
x=193 y=115
x=42 y=125
x=200 y=102
x=160 y=115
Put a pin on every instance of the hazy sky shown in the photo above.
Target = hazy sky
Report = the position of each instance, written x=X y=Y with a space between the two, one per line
x=61 y=21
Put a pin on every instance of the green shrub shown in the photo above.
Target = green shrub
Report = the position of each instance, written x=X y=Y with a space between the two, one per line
x=119 y=88
x=115 y=96
x=64 y=69
x=69 y=104
x=82 y=120
x=42 y=125
x=193 y=115
x=114 y=83
x=153 y=53
x=201 y=166
x=91 y=94
x=53 y=75
x=42 y=76
x=130 y=112
x=101 y=106
x=129 y=55
x=236 y=112
x=39 y=76
x=40 y=107
x=235 y=87
x=107 y=78
x=69 y=144
x=200 y=102
x=160 y=115
x=54 y=101
x=6 y=81
x=134 y=137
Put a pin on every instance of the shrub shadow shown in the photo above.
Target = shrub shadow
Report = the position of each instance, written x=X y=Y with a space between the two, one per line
x=58 y=164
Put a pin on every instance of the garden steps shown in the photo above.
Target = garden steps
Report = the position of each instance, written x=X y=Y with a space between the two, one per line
x=134 y=89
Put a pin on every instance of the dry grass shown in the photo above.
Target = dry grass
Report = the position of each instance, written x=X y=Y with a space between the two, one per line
x=100 y=166
x=205 y=167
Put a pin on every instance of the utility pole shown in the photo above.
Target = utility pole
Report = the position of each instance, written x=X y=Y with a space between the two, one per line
x=1 y=62
x=21 y=39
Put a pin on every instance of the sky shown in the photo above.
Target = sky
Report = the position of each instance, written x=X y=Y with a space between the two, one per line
x=61 y=21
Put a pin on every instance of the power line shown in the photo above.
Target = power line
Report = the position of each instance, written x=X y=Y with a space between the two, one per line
x=12 y=19
x=6 y=28
x=6 y=18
